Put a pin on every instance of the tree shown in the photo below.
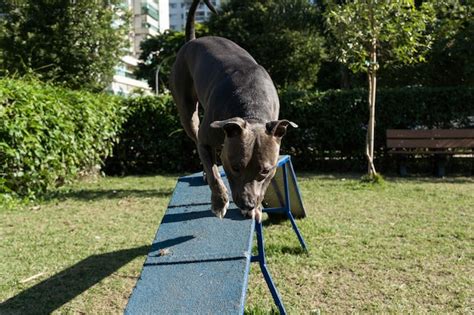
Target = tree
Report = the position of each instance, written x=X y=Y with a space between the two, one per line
x=450 y=61
x=73 y=43
x=371 y=33
x=160 y=52
x=282 y=35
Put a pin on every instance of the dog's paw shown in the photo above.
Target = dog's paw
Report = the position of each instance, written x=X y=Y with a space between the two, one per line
x=219 y=205
x=254 y=214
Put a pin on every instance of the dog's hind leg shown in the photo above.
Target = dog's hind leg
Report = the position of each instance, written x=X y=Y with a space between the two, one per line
x=182 y=88
x=189 y=115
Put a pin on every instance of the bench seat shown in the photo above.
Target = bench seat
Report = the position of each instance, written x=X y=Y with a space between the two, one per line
x=438 y=142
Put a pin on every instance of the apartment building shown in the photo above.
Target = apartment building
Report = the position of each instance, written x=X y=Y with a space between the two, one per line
x=148 y=18
x=178 y=11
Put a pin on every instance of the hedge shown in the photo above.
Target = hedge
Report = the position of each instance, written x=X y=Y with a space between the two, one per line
x=333 y=124
x=331 y=133
x=152 y=140
x=48 y=134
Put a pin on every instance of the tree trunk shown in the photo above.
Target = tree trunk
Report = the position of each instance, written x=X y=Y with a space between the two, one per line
x=372 y=77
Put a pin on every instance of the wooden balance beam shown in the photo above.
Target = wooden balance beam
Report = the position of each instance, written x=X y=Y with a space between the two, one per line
x=199 y=263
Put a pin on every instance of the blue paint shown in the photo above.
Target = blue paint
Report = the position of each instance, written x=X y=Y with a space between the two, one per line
x=198 y=263
x=284 y=163
x=260 y=258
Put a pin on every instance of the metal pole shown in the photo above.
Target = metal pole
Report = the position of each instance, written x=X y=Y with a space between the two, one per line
x=263 y=267
x=157 y=77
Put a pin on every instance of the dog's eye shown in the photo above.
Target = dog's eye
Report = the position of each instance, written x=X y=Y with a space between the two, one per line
x=235 y=168
x=263 y=174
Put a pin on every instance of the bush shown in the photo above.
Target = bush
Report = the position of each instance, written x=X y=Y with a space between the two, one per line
x=331 y=133
x=48 y=135
x=333 y=124
x=152 y=139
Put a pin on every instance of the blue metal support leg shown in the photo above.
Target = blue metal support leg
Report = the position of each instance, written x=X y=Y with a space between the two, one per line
x=288 y=206
x=260 y=258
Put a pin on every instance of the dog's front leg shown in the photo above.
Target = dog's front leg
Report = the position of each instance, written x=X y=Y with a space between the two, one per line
x=219 y=198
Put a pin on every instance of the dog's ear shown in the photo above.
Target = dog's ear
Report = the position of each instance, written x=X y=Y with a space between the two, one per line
x=277 y=128
x=232 y=126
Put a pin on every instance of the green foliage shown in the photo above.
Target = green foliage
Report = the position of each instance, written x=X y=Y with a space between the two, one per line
x=332 y=124
x=160 y=51
x=363 y=30
x=73 y=43
x=397 y=27
x=282 y=35
x=152 y=139
x=332 y=127
x=373 y=179
x=48 y=135
x=449 y=61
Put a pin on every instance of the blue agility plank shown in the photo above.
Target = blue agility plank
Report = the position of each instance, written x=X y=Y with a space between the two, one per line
x=198 y=263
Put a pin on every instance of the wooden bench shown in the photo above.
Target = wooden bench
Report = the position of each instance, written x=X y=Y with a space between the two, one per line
x=199 y=264
x=438 y=142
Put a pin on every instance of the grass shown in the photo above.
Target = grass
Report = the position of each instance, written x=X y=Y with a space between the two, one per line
x=402 y=247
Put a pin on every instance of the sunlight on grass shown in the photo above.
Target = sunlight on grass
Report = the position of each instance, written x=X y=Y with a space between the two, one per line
x=405 y=246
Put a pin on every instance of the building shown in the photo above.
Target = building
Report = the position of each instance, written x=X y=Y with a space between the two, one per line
x=178 y=11
x=148 y=18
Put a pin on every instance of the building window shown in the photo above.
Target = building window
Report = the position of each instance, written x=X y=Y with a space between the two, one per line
x=149 y=26
x=149 y=10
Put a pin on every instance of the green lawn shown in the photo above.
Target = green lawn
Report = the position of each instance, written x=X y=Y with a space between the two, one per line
x=404 y=247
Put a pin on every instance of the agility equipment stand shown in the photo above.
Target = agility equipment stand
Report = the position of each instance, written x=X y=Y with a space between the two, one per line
x=283 y=196
x=199 y=264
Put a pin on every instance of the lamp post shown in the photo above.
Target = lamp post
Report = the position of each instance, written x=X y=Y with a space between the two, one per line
x=157 y=73
x=157 y=77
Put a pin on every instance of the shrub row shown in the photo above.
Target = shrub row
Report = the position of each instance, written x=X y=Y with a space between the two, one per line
x=152 y=139
x=49 y=134
x=333 y=124
x=332 y=127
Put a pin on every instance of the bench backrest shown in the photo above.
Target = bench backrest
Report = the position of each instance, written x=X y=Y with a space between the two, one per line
x=430 y=139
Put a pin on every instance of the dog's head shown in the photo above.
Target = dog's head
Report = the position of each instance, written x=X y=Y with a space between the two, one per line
x=249 y=156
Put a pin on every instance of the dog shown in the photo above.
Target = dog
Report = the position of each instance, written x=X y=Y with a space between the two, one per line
x=241 y=108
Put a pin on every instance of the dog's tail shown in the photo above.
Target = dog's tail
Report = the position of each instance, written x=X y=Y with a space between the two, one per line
x=190 y=30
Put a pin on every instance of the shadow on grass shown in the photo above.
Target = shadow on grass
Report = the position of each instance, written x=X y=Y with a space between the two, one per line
x=389 y=177
x=461 y=179
x=272 y=249
x=98 y=194
x=52 y=293
x=260 y=311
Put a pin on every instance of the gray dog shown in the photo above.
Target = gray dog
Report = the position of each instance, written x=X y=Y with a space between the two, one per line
x=241 y=109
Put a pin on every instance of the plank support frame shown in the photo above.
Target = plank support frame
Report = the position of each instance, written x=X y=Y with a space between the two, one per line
x=286 y=208
x=260 y=258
